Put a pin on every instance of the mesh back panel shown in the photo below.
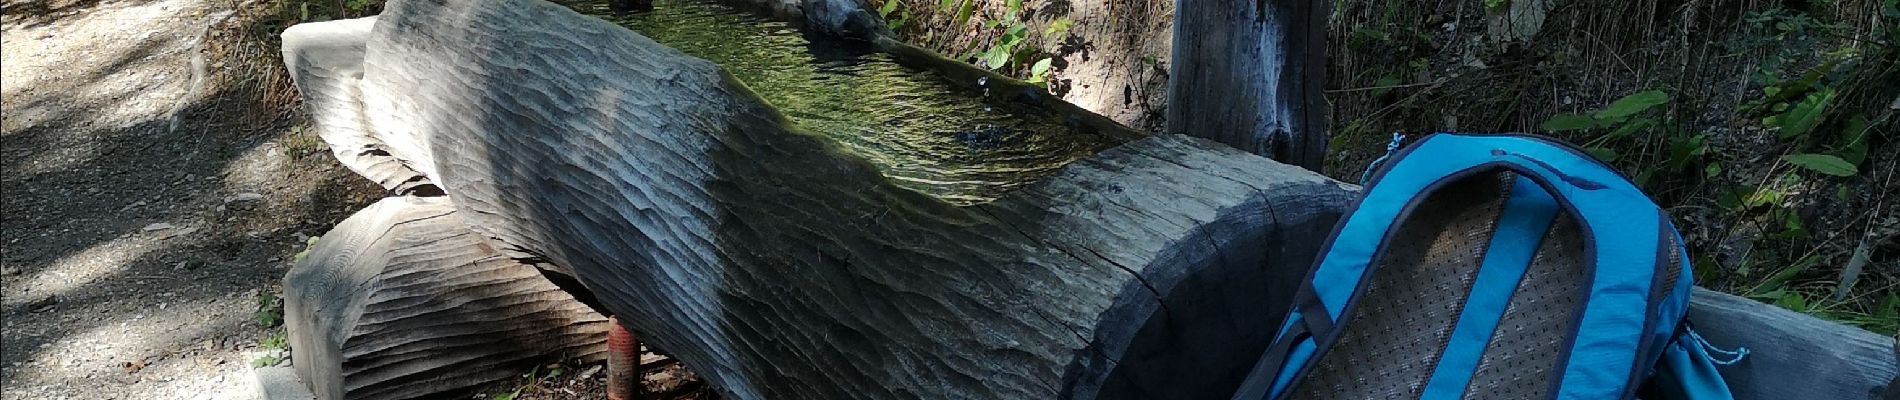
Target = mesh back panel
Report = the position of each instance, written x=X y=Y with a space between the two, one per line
x=1672 y=271
x=1519 y=361
x=1394 y=335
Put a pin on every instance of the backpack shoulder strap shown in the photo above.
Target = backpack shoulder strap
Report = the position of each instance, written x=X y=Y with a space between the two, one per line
x=1612 y=211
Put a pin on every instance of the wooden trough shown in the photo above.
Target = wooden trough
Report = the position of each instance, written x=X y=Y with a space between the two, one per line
x=777 y=264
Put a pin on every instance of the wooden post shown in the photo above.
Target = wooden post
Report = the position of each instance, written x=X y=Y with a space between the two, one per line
x=1251 y=74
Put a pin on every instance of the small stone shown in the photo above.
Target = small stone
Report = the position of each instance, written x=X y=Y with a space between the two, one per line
x=243 y=197
x=182 y=232
x=43 y=304
x=588 y=373
x=159 y=227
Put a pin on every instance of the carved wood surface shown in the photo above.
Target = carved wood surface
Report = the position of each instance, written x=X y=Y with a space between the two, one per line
x=401 y=301
x=326 y=62
x=1792 y=355
x=778 y=264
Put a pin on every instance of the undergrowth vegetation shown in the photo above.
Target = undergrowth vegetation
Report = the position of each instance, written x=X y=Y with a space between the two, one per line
x=1764 y=128
x=1002 y=38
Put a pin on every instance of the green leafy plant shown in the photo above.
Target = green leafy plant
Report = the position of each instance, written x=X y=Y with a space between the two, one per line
x=1011 y=51
x=1803 y=108
x=1058 y=29
x=270 y=310
x=1015 y=34
x=1039 y=73
x=894 y=7
x=267 y=361
x=1496 y=5
x=279 y=341
x=1823 y=163
x=1618 y=120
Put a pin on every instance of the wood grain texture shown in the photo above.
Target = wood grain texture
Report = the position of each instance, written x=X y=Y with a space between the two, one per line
x=402 y=301
x=779 y=265
x=1251 y=74
x=1793 y=355
x=326 y=63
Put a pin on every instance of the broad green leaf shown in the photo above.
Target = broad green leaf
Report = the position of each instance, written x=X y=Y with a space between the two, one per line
x=1630 y=128
x=1793 y=301
x=1041 y=67
x=1014 y=5
x=889 y=6
x=1804 y=115
x=965 y=11
x=1732 y=199
x=1057 y=28
x=1385 y=83
x=997 y=57
x=1823 y=163
x=1565 y=122
x=1602 y=153
x=1854 y=140
x=1889 y=309
x=1632 y=104
x=1758 y=198
x=947 y=4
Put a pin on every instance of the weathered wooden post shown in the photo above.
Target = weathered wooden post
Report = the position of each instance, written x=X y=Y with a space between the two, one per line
x=1251 y=74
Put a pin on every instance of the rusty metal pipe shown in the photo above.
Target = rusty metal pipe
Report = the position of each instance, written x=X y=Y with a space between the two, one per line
x=623 y=363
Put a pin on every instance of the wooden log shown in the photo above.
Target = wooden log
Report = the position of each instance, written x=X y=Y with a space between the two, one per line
x=325 y=61
x=1251 y=74
x=778 y=265
x=1793 y=355
x=402 y=301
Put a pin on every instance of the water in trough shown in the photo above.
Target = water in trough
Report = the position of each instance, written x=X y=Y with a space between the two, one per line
x=951 y=141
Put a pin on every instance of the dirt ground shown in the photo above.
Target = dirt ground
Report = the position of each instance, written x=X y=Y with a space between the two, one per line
x=144 y=211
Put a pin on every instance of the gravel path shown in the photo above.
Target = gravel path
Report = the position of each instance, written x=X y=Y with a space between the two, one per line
x=141 y=217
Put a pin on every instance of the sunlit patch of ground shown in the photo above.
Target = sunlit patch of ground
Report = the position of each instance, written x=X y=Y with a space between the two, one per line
x=125 y=272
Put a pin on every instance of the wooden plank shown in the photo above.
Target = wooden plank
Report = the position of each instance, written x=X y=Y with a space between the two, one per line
x=1793 y=355
x=401 y=301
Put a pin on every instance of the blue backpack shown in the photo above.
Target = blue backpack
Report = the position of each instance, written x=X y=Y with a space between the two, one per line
x=1492 y=267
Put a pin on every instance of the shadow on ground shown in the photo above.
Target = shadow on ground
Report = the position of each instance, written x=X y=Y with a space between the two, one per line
x=94 y=291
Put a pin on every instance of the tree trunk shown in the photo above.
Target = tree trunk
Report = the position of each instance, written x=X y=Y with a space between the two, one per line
x=402 y=301
x=779 y=265
x=1251 y=74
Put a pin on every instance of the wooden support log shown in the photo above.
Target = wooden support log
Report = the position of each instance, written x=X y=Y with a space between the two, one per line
x=778 y=265
x=1792 y=355
x=327 y=68
x=402 y=301
x=1251 y=74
